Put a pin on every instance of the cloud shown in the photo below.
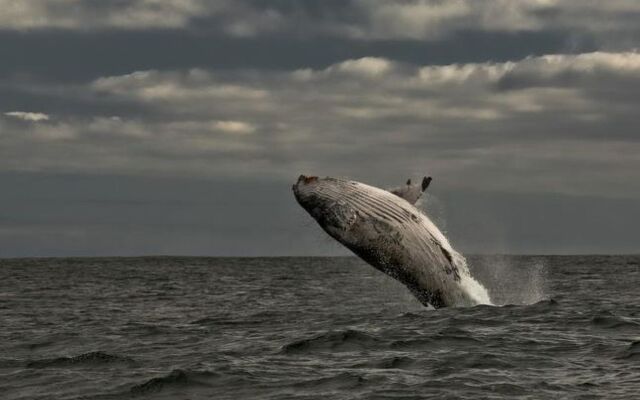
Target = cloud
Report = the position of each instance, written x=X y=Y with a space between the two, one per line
x=235 y=18
x=237 y=127
x=364 y=19
x=612 y=23
x=413 y=19
x=367 y=66
x=557 y=123
x=154 y=86
x=83 y=15
x=27 y=116
x=434 y=19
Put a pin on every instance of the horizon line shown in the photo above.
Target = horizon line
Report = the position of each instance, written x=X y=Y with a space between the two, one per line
x=313 y=256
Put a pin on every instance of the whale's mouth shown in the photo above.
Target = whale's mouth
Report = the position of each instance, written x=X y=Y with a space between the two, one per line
x=307 y=179
x=300 y=185
x=304 y=180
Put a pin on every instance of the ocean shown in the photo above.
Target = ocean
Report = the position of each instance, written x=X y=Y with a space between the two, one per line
x=315 y=328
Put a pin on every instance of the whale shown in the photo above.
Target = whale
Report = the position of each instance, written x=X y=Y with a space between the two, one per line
x=386 y=230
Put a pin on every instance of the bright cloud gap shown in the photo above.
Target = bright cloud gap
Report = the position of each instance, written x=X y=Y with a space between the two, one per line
x=28 y=116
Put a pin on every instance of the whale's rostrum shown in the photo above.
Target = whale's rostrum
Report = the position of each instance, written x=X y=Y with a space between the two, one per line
x=386 y=230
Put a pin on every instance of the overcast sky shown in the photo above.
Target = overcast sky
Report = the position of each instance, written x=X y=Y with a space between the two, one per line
x=178 y=126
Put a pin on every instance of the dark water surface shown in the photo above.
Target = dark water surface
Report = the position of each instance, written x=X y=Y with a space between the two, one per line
x=279 y=328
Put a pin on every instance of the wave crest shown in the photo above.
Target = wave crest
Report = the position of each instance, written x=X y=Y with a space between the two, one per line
x=347 y=340
x=176 y=378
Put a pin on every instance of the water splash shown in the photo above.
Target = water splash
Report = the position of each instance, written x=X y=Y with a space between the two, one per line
x=474 y=289
x=508 y=283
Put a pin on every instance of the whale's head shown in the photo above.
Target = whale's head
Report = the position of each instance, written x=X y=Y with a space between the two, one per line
x=325 y=199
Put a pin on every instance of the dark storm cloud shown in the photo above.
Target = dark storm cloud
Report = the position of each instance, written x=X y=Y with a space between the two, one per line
x=71 y=57
x=362 y=19
x=63 y=99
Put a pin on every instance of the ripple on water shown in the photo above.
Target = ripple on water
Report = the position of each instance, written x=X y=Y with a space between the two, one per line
x=226 y=329
x=91 y=358
x=632 y=352
x=345 y=340
x=609 y=320
x=397 y=362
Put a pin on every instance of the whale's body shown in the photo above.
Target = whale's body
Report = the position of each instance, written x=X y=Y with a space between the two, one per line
x=394 y=237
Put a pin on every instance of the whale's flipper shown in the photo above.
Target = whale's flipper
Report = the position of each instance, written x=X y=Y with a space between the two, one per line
x=412 y=193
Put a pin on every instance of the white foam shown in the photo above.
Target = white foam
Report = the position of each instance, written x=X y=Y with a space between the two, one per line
x=475 y=290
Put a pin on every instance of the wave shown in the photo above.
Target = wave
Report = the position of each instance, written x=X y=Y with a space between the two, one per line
x=91 y=358
x=354 y=340
x=37 y=345
x=537 y=308
x=398 y=362
x=346 y=340
x=632 y=352
x=176 y=378
x=10 y=363
x=446 y=337
x=233 y=319
x=342 y=381
x=220 y=320
x=551 y=302
x=483 y=361
x=609 y=320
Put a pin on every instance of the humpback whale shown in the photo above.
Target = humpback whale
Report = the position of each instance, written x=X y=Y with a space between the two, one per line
x=386 y=230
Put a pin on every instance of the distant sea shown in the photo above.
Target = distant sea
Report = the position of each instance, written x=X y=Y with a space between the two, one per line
x=314 y=328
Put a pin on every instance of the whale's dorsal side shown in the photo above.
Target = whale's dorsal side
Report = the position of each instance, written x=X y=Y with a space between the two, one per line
x=410 y=192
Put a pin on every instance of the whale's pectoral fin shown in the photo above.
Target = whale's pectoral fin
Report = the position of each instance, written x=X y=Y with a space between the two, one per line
x=412 y=193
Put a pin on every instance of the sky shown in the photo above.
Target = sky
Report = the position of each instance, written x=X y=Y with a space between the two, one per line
x=177 y=127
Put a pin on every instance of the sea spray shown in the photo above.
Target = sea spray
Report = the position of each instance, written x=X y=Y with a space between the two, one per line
x=523 y=283
x=474 y=289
